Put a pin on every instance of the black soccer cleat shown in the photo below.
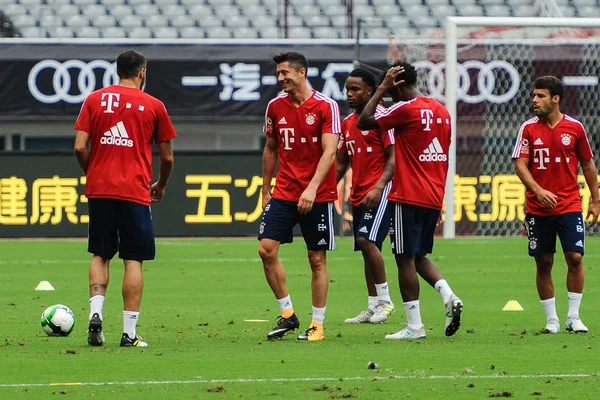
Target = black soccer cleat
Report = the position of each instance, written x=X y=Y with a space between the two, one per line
x=126 y=341
x=284 y=325
x=95 y=334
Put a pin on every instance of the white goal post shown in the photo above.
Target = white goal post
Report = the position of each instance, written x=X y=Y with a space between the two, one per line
x=452 y=78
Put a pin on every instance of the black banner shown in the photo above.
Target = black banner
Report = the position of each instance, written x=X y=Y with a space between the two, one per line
x=190 y=89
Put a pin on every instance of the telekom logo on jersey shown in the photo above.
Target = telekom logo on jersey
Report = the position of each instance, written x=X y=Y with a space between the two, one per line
x=542 y=157
x=288 y=137
x=117 y=135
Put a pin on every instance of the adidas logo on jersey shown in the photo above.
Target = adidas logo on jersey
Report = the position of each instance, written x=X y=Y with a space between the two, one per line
x=433 y=152
x=579 y=243
x=538 y=142
x=282 y=121
x=322 y=242
x=117 y=136
x=363 y=230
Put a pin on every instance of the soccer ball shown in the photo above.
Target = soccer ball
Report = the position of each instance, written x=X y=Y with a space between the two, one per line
x=58 y=320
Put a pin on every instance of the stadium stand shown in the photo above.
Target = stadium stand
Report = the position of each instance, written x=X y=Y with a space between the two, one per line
x=306 y=19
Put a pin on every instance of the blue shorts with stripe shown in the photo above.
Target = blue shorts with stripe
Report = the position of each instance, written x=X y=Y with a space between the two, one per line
x=373 y=225
x=413 y=229
x=281 y=216
x=542 y=232
x=123 y=226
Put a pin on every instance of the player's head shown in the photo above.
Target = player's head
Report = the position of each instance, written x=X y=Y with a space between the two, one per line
x=548 y=91
x=360 y=87
x=132 y=65
x=292 y=68
x=406 y=90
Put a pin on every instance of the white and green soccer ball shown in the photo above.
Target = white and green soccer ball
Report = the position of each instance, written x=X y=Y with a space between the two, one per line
x=58 y=320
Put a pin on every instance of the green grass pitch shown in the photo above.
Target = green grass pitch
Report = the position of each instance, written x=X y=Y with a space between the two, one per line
x=199 y=293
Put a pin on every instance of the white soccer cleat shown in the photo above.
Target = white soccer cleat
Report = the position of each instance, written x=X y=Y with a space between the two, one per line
x=363 y=317
x=454 y=309
x=574 y=324
x=553 y=326
x=408 y=334
x=381 y=312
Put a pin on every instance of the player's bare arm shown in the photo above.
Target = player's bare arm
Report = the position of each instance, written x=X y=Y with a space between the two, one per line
x=167 y=160
x=374 y=196
x=82 y=151
x=366 y=119
x=547 y=198
x=591 y=178
x=341 y=164
x=307 y=199
x=269 y=163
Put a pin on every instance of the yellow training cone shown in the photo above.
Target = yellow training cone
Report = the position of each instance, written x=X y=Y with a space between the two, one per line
x=512 y=305
x=44 y=285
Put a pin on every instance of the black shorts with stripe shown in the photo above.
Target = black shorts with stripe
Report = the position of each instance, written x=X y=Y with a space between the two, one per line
x=123 y=226
x=413 y=229
x=281 y=216
x=373 y=225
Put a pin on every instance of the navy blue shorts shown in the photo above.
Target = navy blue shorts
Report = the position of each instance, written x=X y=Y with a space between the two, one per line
x=372 y=225
x=542 y=232
x=280 y=218
x=413 y=229
x=123 y=226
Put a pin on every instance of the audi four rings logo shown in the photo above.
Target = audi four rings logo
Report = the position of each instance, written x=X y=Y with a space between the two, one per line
x=486 y=80
x=61 y=81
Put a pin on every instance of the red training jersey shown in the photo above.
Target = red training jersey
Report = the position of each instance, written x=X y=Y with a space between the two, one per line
x=298 y=131
x=554 y=155
x=423 y=134
x=122 y=123
x=366 y=152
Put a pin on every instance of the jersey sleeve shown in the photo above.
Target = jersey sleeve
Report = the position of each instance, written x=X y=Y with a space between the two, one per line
x=164 y=129
x=583 y=149
x=268 y=127
x=393 y=116
x=84 y=119
x=342 y=139
x=388 y=138
x=331 y=117
x=521 y=149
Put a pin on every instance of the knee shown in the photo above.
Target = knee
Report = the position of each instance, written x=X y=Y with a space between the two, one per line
x=317 y=261
x=267 y=253
x=544 y=265
x=574 y=260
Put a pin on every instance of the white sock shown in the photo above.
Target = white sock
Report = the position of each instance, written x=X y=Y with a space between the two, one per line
x=96 y=305
x=574 y=303
x=444 y=290
x=285 y=303
x=549 y=306
x=373 y=301
x=383 y=292
x=413 y=314
x=318 y=315
x=130 y=319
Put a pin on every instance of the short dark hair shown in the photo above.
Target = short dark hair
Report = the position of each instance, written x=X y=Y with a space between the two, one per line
x=552 y=84
x=295 y=59
x=409 y=76
x=129 y=64
x=367 y=77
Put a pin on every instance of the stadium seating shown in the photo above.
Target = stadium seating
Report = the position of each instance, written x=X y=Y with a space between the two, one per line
x=307 y=19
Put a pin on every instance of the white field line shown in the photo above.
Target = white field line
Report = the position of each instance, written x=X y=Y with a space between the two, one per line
x=285 y=380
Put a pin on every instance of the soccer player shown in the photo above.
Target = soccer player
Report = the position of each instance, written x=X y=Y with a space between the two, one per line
x=115 y=130
x=422 y=133
x=371 y=155
x=302 y=128
x=547 y=153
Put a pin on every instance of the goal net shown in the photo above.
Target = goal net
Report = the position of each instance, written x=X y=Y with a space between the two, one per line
x=489 y=93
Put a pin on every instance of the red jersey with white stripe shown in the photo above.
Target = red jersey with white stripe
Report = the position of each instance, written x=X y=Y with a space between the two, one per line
x=122 y=123
x=298 y=131
x=423 y=134
x=366 y=152
x=554 y=155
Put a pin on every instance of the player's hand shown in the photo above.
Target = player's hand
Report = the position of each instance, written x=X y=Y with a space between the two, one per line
x=157 y=192
x=548 y=199
x=594 y=211
x=372 y=199
x=389 y=81
x=306 y=201
x=266 y=198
